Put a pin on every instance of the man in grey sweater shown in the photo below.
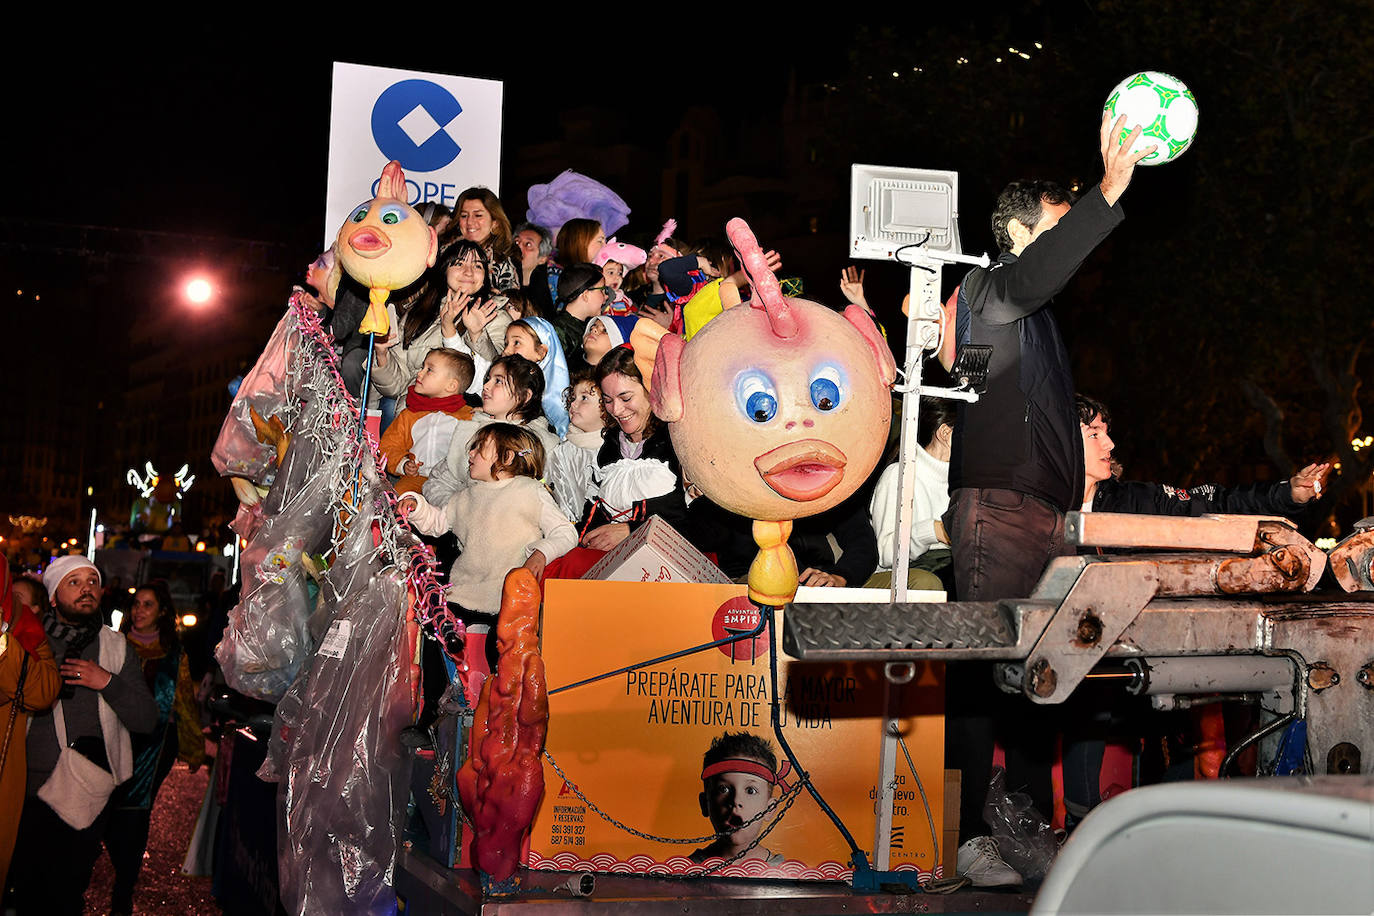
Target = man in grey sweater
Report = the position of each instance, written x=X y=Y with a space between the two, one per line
x=104 y=698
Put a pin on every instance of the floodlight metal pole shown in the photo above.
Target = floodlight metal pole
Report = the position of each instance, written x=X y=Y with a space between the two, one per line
x=890 y=209
x=922 y=334
x=924 y=326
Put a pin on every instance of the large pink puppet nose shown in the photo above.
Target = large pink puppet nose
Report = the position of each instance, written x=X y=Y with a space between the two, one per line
x=803 y=470
x=369 y=242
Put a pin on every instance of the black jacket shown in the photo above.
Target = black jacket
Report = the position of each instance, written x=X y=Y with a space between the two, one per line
x=731 y=538
x=1143 y=498
x=1023 y=433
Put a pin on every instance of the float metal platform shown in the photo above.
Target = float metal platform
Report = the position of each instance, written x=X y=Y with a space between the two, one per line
x=429 y=888
x=1228 y=610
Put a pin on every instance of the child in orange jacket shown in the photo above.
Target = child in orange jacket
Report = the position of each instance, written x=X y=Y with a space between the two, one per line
x=419 y=438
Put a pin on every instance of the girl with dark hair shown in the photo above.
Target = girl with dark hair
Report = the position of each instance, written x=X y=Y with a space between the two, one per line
x=480 y=218
x=151 y=628
x=512 y=392
x=457 y=310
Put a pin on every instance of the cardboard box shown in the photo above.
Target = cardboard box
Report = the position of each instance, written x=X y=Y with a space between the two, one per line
x=655 y=552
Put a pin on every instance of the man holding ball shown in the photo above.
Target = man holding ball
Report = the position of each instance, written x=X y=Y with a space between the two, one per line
x=1016 y=462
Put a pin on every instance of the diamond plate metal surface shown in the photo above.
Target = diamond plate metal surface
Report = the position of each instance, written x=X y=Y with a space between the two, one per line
x=873 y=631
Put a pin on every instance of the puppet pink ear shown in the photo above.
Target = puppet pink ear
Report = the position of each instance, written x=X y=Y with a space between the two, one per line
x=644 y=339
x=393 y=183
x=433 y=247
x=666 y=394
x=887 y=366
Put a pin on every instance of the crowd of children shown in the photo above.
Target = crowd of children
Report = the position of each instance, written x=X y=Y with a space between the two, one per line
x=514 y=384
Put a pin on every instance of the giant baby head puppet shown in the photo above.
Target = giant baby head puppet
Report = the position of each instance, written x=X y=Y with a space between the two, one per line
x=778 y=409
x=384 y=245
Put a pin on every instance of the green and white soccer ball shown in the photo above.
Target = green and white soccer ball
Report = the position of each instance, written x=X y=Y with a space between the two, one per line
x=1163 y=107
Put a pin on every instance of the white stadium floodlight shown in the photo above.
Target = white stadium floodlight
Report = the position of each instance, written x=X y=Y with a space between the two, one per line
x=895 y=208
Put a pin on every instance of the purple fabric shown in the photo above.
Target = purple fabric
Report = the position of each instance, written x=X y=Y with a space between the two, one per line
x=575 y=196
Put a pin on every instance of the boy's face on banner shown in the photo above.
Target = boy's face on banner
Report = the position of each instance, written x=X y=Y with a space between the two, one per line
x=730 y=799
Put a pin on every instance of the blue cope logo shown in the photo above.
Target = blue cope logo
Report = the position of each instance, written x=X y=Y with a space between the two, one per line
x=408 y=124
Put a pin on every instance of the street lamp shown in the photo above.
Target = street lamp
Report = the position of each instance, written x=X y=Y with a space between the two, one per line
x=199 y=290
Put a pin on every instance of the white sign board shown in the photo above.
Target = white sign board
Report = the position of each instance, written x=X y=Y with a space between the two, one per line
x=444 y=130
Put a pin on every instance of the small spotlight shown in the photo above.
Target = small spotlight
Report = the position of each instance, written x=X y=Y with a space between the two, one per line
x=200 y=547
x=188 y=620
x=132 y=590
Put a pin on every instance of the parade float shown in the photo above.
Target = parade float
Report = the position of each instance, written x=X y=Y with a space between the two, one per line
x=586 y=766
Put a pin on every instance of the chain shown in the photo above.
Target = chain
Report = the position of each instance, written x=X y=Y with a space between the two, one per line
x=690 y=841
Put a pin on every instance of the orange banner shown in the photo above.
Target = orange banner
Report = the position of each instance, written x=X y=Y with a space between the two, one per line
x=685 y=749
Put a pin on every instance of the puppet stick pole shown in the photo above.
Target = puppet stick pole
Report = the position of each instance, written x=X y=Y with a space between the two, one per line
x=367 y=383
x=362 y=410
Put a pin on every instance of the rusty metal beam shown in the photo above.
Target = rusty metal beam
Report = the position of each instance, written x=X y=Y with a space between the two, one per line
x=1230 y=533
x=1352 y=560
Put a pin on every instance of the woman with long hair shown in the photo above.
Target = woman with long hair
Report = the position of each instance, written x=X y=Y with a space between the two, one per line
x=151 y=628
x=479 y=217
x=457 y=309
x=638 y=474
x=578 y=242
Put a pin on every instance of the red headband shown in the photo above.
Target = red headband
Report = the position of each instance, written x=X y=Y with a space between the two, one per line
x=751 y=767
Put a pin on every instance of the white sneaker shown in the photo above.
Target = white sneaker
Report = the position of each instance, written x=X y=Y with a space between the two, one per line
x=982 y=864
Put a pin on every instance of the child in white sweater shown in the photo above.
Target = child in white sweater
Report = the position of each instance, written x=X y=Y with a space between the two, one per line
x=573 y=460
x=506 y=518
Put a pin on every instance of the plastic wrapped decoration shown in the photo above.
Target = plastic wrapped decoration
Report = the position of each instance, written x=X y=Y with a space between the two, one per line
x=266 y=640
x=304 y=457
x=356 y=561
x=270 y=389
x=373 y=687
x=778 y=409
x=345 y=787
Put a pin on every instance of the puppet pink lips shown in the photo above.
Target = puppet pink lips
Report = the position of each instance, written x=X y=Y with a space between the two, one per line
x=369 y=243
x=803 y=470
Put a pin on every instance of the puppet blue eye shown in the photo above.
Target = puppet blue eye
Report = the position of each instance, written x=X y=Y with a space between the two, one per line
x=393 y=214
x=359 y=214
x=827 y=388
x=761 y=406
x=756 y=396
